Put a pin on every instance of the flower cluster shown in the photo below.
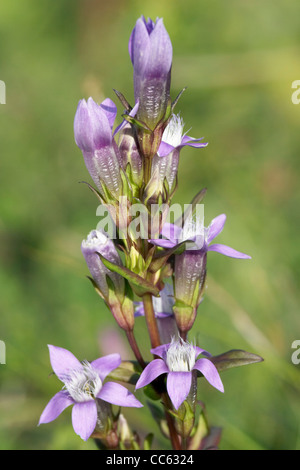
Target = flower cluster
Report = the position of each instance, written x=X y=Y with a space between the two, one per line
x=159 y=277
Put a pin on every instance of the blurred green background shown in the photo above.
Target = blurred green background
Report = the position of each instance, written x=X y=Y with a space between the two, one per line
x=238 y=60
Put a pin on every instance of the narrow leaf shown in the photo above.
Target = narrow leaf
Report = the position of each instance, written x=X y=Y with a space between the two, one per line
x=234 y=358
x=141 y=284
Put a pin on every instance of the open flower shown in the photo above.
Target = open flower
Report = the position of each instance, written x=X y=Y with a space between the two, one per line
x=167 y=157
x=174 y=138
x=84 y=388
x=178 y=361
x=201 y=237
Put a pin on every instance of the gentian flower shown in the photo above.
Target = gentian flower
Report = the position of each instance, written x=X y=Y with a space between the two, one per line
x=201 y=237
x=120 y=306
x=98 y=241
x=150 y=50
x=93 y=125
x=190 y=266
x=84 y=389
x=178 y=360
x=173 y=140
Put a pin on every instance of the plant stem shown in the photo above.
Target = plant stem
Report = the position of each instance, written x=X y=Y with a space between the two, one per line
x=151 y=321
x=135 y=348
x=173 y=433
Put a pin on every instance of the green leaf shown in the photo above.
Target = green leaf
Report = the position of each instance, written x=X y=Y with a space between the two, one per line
x=234 y=358
x=142 y=286
x=191 y=207
x=161 y=258
x=151 y=393
x=128 y=372
x=123 y=100
x=148 y=441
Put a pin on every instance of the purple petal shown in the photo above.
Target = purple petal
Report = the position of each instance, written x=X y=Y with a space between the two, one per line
x=139 y=309
x=162 y=243
x=139 y=46
x=160 y=350
x=63 y=361
x=192 y=142
x=201 y=351
x=210 y=372
x=154 y=369
x=124 y=122
x=171 y=231
x=178 y=386
x=110 y=109
x=84 y=418
x=91 y=126
x=104 y=365
x=216 y=226
x=160 y=59
x=55 y=407
x=164 y=149
x=116 y=394
x=227 y=251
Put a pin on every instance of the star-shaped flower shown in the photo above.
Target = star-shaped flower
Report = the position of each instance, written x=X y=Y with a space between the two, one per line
x=83 y=385
x=201 y=237
x=178 y=360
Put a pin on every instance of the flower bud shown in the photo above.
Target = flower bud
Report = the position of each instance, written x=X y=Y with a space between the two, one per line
x=130 y=156
x=151 y=53
x=93 y=135
x=98 y=242
x=190 y=274
x=110 y=285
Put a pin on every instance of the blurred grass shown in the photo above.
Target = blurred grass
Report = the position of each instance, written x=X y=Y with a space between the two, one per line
x=238 y=60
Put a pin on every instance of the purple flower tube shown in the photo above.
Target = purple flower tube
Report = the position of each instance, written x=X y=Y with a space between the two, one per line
x=150 y=50
x=93 y=135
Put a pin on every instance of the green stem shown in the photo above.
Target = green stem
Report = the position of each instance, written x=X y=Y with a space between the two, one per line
x=135 y=348
x=173 y=433
x=151 y=321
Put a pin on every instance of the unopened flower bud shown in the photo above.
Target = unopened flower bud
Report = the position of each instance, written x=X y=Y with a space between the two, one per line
x=98 y=242
x=129 y=155
x=93 y=135
x=151 y=53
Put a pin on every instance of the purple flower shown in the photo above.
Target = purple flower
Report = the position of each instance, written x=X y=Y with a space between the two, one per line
x=167 y=157
x=173 y=137
x=98 y=242
x=93 y=125
x=201 y=237
x=150 y=50
x=190 y=266
x=178 y=361
x=84 y=389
